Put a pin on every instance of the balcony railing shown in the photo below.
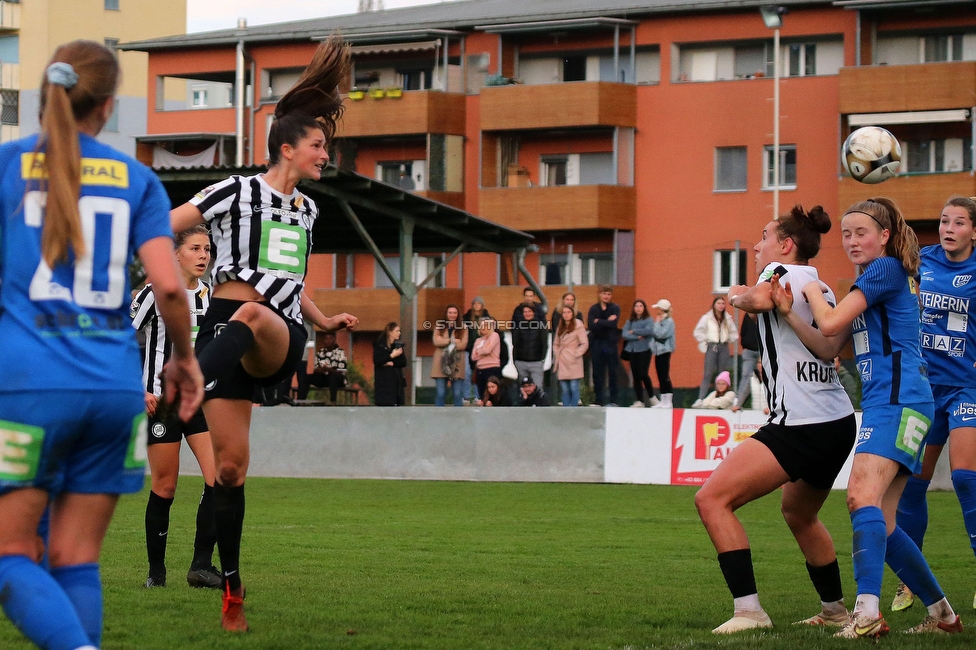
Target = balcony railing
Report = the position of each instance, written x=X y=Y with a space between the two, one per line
x=576 y=104
x=412 y=112
x=563 y=207
x=377 y=307
x=919 y=196
x=895 y=88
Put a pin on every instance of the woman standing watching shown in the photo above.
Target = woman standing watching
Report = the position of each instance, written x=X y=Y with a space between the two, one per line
x=882 y=307
x=570 y=345
x=638 y=332
x=948 y=296
x=262 y=230
x=450 y=341
x=193 y=256
x=388 y=365
x=714 y=332
x=487 y=354
x=662 y=345
x=78 y=434
x=472 y=322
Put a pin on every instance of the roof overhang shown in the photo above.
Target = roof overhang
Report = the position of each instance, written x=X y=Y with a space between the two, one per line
x=909 y=117
x=896 y=4
x=182 y=137
x=549 y=25
x=394 y=36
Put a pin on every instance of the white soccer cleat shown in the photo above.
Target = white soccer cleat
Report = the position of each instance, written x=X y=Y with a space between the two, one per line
x=827 y=619
x=864 y=627
x=904 y=598
x=932 y=625
x=744 y=621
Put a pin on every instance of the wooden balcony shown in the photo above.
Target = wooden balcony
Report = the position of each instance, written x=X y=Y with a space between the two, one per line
x=377 y=307
x=564 y=207
x=501 y=301
x=894 y=88
x=453 y=199
x=576 y=104
x=919 y=196
x=414 y=112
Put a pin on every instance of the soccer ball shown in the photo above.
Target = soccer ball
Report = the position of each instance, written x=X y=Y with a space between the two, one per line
x=871 y=154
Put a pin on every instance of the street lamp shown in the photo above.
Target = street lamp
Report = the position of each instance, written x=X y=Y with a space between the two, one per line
x=772 y=15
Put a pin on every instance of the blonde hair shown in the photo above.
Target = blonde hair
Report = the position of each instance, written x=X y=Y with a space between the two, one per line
x=902 y=241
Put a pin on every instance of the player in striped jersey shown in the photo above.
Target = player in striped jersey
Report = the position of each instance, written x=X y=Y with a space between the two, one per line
x=882 y=309
x=73 y=212
x=164 y=437
x=254 y=333
x=948 y=292
x=804 y=444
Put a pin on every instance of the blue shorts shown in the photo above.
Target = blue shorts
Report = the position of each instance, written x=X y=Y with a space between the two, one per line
x=86 y=442
x=954 y=408
x=896 y=432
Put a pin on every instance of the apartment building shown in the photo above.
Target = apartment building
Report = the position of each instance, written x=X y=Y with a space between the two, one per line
x=634 y=141
x=31 y=30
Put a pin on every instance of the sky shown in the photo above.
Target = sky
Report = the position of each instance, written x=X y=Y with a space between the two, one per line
x=206 y=15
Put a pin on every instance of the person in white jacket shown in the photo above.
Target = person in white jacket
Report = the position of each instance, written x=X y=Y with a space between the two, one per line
x=714 y=332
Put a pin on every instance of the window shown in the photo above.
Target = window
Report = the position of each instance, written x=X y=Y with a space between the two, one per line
x=803 y=60
x=10 y=109
x=112 y=5
x=946 y=47
x=587 y=268
x=730 y=169
x=728 y=269
x=942 y=155
x=112 y=125
x=787 y=167
x=574 y=68
x=422 y=267
x=417 y=79
x=199 y=98
x=554 y=171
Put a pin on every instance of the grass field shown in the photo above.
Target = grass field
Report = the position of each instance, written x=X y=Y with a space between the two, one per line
x=397 y=564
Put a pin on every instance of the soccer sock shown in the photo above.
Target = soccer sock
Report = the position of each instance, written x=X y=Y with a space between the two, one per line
x=910 y=566
x=83 y=586
x=228 y=506
x=739 y=576
x=964 y=480
x=868 y=549
x=206 y=535
x=157 y=530
x=913 y=510
x=826 y=580
x=221 y=355
x=37 y=605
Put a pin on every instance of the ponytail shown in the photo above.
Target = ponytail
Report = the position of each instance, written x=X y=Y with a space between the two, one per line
x=902 y=241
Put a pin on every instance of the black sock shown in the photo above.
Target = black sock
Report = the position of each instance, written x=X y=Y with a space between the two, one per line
x=228 y=507
x=157 y=529
x=206 y=535
x=221 y=355
x=737 y=569
x=826 y=580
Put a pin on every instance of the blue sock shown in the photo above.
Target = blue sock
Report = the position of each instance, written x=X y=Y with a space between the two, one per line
x=913 y=510
x=869 y=549
x=964 y=480
x=83 y=586
x=910 y=566
x=37 y=606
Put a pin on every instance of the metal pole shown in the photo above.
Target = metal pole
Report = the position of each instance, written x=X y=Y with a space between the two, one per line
x=239 y=95
x=734 y=281
x=776 y=75
x=616 y=53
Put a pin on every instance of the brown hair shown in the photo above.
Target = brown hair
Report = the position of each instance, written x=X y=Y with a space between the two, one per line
x=902 y=242
x=805 y=229
x=314 y=102
x=563 y=327
x=199 y=229
x=633 y=311
x=458 y=323
x=62 y=107
x=966 y=203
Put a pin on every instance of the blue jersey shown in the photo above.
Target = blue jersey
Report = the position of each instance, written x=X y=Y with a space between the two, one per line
x=948 y=293
x=886 y=337
x=68 y=327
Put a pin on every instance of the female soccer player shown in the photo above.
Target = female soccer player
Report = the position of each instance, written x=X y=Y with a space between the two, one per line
x=254 y=332
x=804 y=444
x=193 y=256
x=72 y=213
x=948 y=295
x=882 y=307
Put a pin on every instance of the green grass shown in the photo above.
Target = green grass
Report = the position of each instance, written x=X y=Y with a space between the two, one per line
x=396 y=564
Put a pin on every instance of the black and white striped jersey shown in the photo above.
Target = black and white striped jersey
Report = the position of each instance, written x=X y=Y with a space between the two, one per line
x=801 y=388
x=158 y=349
x=261 y=237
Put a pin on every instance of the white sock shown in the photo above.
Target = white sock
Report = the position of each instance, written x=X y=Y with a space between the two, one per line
x=748 y=603
x=867 y=605
x=942 y=610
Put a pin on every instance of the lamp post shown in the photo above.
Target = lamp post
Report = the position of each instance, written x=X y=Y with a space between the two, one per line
x=772 y=15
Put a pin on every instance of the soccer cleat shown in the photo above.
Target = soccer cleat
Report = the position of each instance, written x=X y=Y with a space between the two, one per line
x=204 y=578
x=156 y=580
x=744 y=621
x=864 y=627
x=932 y=625
x=827 y=619
x=232 y=613
x=904 y=598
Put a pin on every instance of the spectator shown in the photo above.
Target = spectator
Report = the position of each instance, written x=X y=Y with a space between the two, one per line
x=721 y=397
x=530 y=394
x=568 y=300
x=569 y=346
x=388 y=365
x=450 y=340
x=759 y=402
x=638 y=332
x=851 y=383
x=714 y=331
x=530 y=343
x=487 y=354
x=662 y=345
x=603 y=320
x=330 y=366
x=472 y=320
x=529 y=297
x=495 y=393
x=749 y=337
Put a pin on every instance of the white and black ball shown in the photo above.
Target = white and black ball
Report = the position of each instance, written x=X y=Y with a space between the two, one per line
x=871 y=154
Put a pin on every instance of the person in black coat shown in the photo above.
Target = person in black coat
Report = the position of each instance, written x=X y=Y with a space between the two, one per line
x=603 y=321
x=530 y=394
x=388 y=364
x=530 y=340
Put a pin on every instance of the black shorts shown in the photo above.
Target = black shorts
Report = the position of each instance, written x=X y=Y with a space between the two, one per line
x=238 y=384
x=812 y=452
x=175 y=432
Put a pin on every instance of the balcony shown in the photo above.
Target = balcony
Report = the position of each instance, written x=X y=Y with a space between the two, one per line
x=453 y=199
x=895 y=88
x=919 y=196
x=501 y=301
x=377 y=307
x=564 y=207
x=9 y=76
x=414 y=112
x=575 y=104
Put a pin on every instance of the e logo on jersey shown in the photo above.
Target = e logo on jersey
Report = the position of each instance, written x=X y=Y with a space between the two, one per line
x=20 y=451
x=961 y=280
x=912 y=431
x=283 y=247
